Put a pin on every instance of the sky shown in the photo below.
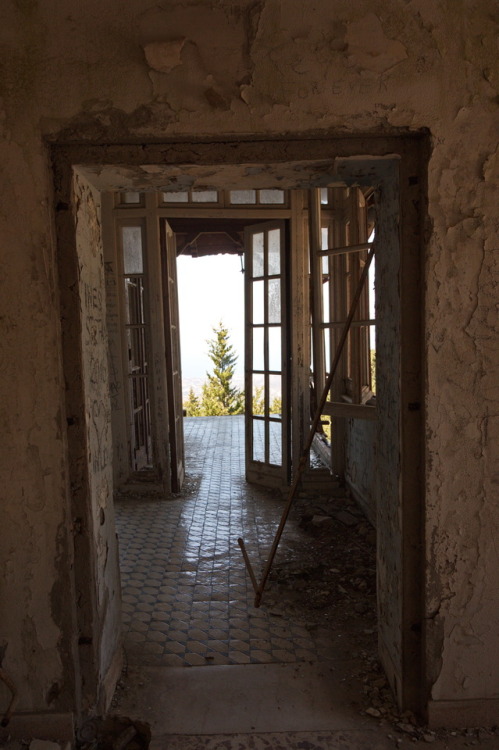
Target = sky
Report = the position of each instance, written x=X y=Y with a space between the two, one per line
x=211 y=289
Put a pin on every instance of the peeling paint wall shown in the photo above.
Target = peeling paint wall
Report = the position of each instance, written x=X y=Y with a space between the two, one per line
x=102 y=596
x=89 y=72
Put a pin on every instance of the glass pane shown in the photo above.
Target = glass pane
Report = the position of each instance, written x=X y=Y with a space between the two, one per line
x=274 y=300
x=325 y=301
x=130 y=198
x=324 y=238
x=258 y=302
x=258 y=254
x=204 y=196
x=176 y=197
x=258 y=360
x=258 y=440
x=324 y=196
x=134 y=301
x=275 y=349
x=258 y=395
x=132 y=250
x=275 y=395
x=274 y=250
x=243 y=196
x=275 y=443
x=271 y=196
x=327 y=349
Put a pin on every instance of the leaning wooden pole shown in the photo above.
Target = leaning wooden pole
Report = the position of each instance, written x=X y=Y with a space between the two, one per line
x=259 y=588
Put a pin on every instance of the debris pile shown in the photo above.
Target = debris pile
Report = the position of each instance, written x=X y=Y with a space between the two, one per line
x=324 y=577
x=326 y=568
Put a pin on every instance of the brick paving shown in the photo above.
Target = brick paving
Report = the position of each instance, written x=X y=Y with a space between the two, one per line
x=187 y=598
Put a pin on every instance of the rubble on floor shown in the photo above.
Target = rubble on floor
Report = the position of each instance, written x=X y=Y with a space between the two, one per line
x=97 y=733
x=325 y=575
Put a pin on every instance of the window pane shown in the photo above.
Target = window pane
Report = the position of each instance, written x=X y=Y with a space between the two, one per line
x=243 y=196
x=258 y=302
x=275 y=443
x=271 y=196
x=324 y=238
x=258 y=395
x=275 y=393
x=274 y=300
x=274 y=252
x=130 y=198
x=325 y=301
x=258 y=254
x=204 y=196
x=327 y=349
x=134 y=301
x=258 y=360
x=275 y=349
x=176 y=197
x=132 y=250
x=324 y=196
x=258 y=440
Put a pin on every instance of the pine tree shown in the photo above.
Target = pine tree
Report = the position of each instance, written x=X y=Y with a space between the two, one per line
x=192 y=404
x=219 y=397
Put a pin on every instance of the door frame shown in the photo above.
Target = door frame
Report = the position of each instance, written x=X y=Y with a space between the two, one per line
x=397 y=165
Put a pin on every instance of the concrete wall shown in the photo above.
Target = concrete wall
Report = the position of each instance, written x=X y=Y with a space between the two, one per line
x=360 y=469
x=264 y=67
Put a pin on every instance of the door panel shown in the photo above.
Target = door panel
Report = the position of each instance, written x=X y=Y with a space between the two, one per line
x=172 y=352
x=267 y=356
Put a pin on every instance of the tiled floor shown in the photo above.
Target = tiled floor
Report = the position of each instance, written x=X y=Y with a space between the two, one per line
x=187 y=599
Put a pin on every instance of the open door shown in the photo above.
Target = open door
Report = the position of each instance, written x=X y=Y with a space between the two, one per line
x=267 y=356
x=172 y=352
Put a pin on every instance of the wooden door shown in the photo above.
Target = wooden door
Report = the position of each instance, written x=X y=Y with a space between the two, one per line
x=172 y=352
x=267 y=355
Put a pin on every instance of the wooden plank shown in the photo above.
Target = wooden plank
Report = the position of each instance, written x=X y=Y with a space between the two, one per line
x=346 y=249
x=258 y=213
x=349 y=411
x=172 y=354
x=355 y=323
x=316 y=305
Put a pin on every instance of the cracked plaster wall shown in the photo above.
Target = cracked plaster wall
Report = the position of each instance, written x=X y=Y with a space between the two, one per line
x=100 y=593
x=263 y=68
x=360 y=469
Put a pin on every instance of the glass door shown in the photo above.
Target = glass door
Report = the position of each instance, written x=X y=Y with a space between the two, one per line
x=267 y=355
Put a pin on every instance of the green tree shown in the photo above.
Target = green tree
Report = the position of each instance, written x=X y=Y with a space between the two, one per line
x=258 y=401
x=192 y=404
x=373 y=370
x=276 y=405
x=219 y=397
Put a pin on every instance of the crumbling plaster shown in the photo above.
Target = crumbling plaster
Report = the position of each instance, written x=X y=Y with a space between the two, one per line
x=268 y=68
x=97 y=585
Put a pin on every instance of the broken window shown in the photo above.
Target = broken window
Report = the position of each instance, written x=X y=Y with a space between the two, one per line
x=132 y=243
x=339 y=246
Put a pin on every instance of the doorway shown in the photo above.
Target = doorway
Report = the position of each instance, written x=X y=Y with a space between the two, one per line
x=399 y=520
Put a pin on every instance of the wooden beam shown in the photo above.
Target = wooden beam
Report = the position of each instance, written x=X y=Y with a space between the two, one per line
x=346 y=249
x=349 y=411
x=316 y=306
